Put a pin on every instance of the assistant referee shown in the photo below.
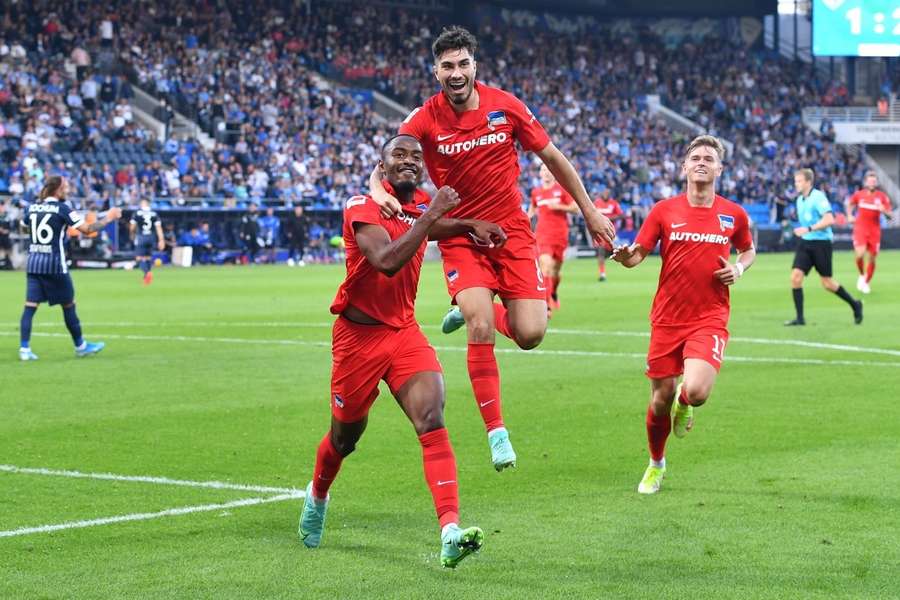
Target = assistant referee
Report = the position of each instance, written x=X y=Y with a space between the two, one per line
x=815 y=246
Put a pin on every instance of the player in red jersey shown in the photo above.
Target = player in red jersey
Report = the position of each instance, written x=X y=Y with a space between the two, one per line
x=376 y=338
x=690 y=312
x=612 y=210
x=469 y=132
x=870 y=203
x=552 y=204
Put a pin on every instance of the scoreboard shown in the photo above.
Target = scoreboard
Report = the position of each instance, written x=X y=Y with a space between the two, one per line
x=856 y=27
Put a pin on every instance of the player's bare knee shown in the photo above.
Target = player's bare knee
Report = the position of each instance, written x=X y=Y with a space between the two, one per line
x=481 y=330
x=796 y=279
x=529 y=337
x=697 y=394
x=430 y=420
x=343 y=442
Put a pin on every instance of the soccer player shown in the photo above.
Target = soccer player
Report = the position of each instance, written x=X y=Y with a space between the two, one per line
x=552 y=204
x=469 y=133
x=870 y=203
x=376 y=337
x=814 y=246
x=249 y=232
x=689 y=319
x=612 y=210
x=48 y=278
x=146 y=232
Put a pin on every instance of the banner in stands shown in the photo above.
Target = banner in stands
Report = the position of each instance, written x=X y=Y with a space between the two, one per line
x=867 y=133
x=666 y=8
x=672 y=31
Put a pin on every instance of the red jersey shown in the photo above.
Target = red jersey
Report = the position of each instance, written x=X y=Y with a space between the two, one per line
x=608 y=208
x=552 y=225
x=390 y=300
x=475 y=152
x=693 y=238
x=869 y=206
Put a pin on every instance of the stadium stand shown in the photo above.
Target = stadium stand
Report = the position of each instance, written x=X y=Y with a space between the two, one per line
x=252 y=75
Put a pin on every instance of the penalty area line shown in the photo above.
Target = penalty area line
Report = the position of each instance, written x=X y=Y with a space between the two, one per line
x=171 y=512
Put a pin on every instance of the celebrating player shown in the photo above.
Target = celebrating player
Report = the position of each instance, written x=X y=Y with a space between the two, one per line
x=870 y=203
x=469 y=133
x=612 y=210
x=814 y=246
x=689 y=319
x=48 y=278
x=146 y=232
x=376 y=337
x=552 y=204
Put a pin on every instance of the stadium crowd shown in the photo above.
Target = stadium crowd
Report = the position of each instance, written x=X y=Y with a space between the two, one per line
x=249 y=74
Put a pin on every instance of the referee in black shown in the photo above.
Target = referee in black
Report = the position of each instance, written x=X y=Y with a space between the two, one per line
x=814 y=246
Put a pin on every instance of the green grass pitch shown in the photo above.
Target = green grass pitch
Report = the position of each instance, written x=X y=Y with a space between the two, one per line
x=788 y=486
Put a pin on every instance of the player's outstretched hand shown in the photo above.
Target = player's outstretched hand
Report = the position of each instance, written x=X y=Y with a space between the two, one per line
x=161 y=245
x=390 y=206
x=728 y=274
x=114 y=213
x=488 y=234
x=444 y=201
x=600 y=228
x=622 y=254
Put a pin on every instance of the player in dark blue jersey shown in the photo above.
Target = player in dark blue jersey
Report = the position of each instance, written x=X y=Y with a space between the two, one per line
x=146 y=232
x=48 y=273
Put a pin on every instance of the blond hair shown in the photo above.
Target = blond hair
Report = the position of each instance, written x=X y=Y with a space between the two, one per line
x=709 y=141
x=807 y=174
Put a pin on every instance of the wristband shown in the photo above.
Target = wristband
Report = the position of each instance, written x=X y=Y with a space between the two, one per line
x=740 y=269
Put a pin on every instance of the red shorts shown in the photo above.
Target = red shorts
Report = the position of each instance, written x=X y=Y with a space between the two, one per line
x=867 y=237
x=363 y=355
x=670 y=345
x=511 y=270
x=554 y=249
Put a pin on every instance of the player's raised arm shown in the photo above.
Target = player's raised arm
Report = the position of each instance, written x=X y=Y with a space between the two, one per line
x=600 y=228
x=160 y=238
x=389 y=256
x=111 y=216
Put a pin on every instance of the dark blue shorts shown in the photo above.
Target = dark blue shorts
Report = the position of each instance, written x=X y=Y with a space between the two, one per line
x=144 y=245
x=52 y=289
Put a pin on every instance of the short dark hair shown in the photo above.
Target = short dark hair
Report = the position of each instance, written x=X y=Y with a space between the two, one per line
x=454 y=38
x=390 y=141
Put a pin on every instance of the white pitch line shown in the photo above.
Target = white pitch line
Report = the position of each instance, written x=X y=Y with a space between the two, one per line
x=512 y=351
x=215 y=485
x=576 y=332
x=171 y=512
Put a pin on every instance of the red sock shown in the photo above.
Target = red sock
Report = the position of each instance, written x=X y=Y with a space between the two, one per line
x=328 y=463
x=440 y=474
x=658 y=429
x=501 y=321
x=485 y=379
x=682 y=398
x=860 y=265
x=556 y=282
x=602 y=269
x=548 y=283
x=870 y=270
